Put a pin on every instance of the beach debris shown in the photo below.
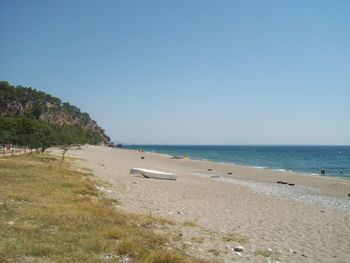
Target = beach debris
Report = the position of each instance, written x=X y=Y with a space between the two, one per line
x=322 y=211
x=229 y=173
x=303 y=255
x=142 y=157
x=238 y=248
x=282 y=182
x=239 y=254
x=349 y=194
x=291 y=184
x=178 y=157
x=215 y=176
x=209 y=170
x=180 y=212
x=291 y=250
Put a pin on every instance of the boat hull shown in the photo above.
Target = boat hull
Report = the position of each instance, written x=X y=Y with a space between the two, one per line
x=153 y=174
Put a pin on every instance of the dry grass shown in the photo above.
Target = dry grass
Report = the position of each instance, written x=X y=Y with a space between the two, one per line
x=199 y=240
x=268 y=254
x=214 y=251
x=234 y=237
x=163 y=256
x=53 y=215
x=189 y=224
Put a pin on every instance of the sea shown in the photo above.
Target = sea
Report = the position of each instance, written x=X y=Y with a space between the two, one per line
x=306 y=159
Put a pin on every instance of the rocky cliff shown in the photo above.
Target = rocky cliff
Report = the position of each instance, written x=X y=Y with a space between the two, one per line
x=18 y=101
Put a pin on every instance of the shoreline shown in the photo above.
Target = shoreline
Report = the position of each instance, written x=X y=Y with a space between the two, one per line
x=306 y=173
x=246 y=206
x=269 y=188
x=242 y=166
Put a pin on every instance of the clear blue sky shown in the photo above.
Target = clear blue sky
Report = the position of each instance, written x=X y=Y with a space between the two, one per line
x=189 y=72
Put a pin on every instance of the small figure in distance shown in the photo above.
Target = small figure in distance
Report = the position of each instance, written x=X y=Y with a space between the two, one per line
x=323 y=171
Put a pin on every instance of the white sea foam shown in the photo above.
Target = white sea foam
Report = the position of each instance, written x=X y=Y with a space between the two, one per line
x=280 y=170
x=259 y=167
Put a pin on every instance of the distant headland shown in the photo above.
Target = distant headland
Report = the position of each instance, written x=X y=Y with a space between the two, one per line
x=35 y=119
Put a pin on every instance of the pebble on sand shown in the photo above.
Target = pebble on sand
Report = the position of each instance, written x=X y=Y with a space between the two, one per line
x=238 y=248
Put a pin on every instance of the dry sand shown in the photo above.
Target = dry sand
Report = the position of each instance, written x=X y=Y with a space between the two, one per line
x=308 y=222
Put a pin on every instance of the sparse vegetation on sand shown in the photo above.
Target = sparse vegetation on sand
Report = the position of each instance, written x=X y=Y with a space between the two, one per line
x=267 y=254
x=234 y=237
x=48 y=214
x=189 y=223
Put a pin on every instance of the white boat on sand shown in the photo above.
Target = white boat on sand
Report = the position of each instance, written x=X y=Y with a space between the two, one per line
x=153 y=174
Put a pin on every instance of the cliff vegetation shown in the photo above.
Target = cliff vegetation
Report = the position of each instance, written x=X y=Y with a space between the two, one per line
x=35 y=119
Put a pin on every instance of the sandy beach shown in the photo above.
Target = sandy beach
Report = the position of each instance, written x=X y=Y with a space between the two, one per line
x=307 y=222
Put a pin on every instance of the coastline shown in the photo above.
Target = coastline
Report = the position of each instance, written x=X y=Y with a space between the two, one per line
x=263 y=174
x=246 y=160
x=317 y=230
